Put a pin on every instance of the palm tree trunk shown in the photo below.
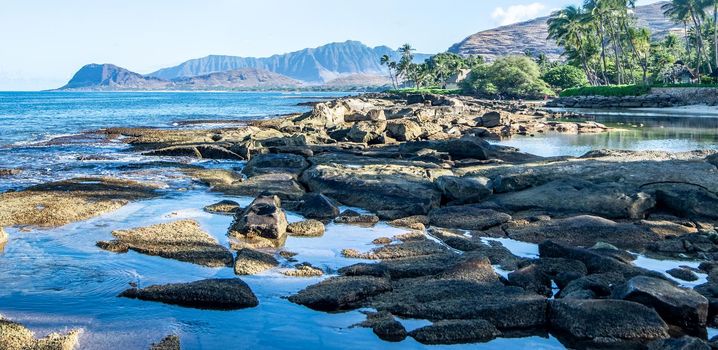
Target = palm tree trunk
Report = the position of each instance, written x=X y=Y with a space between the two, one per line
x=715 y=32
x=602 y=37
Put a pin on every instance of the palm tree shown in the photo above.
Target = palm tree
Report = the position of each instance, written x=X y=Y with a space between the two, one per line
x=568 y=27
x=405 y=67
x=391 y=65
x=690 y=11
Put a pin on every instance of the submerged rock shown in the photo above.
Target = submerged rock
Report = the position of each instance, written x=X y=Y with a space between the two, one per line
x=613 y=323
x=340 y=293
x=180 y=240
x=262 y=225
x=58 y=203
x=14 y=336
x=219 y=294
x=304 y=270
x=456 y=332
x=307 y=228
x=227 y=207
x=352 y=217
x=250 y=262
x=677 y=306
x=170 y=342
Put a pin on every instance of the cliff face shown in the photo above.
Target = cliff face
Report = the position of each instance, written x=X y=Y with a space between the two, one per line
x=314 y=65
x=532 y=35
x=236 y=79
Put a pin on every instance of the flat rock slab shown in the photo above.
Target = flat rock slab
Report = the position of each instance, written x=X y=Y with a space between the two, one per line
x=467 y=217
x=182 y=240
x=606 y=321
x=340 y=293
x=14 y=336
x=250 y=262
x=225 y=207
x=59 y=203
x=456 y=332
x=216 y=294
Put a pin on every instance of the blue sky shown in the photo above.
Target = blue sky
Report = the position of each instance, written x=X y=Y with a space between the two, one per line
x=43 y=42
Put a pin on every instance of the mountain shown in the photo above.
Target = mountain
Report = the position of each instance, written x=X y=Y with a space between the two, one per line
x=111 y=77
x=243 y=78
x=314 y=65
x=532 y=35
x=359 y=80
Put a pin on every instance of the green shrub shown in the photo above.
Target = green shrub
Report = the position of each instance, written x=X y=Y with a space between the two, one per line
x=565 y=76
x=509 y=77
x=612 y=90
x=430 y=90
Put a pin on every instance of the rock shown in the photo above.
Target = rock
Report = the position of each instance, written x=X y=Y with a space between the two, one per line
x=275 y=163
x=381 y=241
x=385 y=326
x=3 y=236
x=608 y=322
x=394 y=190
x=352 y=217
x=492 y=119
x=340 y=293
x=197 y=151
x=366 y=131
x=9 y=172
x=683 y=343
x=404 y=130
x=683 y=274
x=252 y=262
x=464 y=190
x=317 y=206
x=456 y=332
x=609 y=200
x=584 y=230
x=227 y=207
x=436 y=299
x=283 y=185
x=474 y=269
x=677 y=306
x=416 y=222
x=364 y=269
x=467 y=217
x=14 y=336
x=262 y=225
x=466 y=147
x=170 y=342
x=399 y=250
x=686 y=199
x=215 y=294
x=59 y=203
x=114 y=246
x=182 y=240
x=307 y=228
x=595 y=286
x=304 y=270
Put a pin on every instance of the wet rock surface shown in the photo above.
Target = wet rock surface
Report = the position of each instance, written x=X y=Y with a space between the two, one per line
x=340 y=293
x=226 y=207
x=218 y=294
x=14 y=336
x=180 y=240
x=263 y=224
x=456 y=332
x=306 y=228
x=250 y=262
x=170 y=342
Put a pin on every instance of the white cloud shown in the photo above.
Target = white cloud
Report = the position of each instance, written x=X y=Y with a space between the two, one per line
x=517 y=13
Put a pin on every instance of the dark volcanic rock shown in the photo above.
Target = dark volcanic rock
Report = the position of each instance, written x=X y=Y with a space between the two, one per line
x=610 y=322
x=683 y=274
x=683 y=343
x=677 y=306
x=466 y=147
x=385 y=326
x=170 y=342
x=467 y=217
x=262 y=224
x=464 y=189
x=275 y=163
x=456 y=332
x=340 y=293
x=220 y=294
x=594 y=286
x=583 y=231
x=317 y=206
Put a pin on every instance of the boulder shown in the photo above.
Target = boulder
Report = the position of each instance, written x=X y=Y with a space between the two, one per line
x=306 y=228
x=263 y=224
x=456 y=332
x=682 y=343
x=216 y=294
x=170 y=342
x=583 y=230
x=467 y=217
x=340 y=293
x=251 y=262
x=226 y=206
x=464 y=190
x=371 y=115
x=317 y=206
x=609 y=322
x=275 y=163
x=683 y=274
x=404 y=130
x=609 y=200
x=366 y=131
x=355 y=218
x=303 y=270
x=492 y=119
x=385 y=326
x=677 y=306
x=686 y=200
x=595 y=286
x=182 y=240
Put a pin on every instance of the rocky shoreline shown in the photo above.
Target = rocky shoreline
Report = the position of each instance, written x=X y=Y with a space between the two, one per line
x=423 y=163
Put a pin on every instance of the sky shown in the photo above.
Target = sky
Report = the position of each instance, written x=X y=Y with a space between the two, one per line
x=44 y=42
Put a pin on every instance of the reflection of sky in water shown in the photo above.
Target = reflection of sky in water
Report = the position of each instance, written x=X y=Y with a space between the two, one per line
x=675 y=134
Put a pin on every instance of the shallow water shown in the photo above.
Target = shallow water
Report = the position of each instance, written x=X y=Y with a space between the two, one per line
x=635 y=130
